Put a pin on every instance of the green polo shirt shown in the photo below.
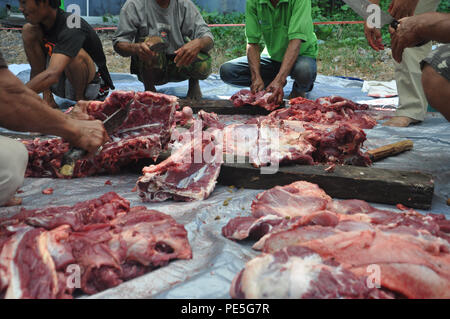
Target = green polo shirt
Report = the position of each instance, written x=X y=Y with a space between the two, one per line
x=291 y=19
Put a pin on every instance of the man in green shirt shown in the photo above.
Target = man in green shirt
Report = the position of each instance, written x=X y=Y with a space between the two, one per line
x=286 y=28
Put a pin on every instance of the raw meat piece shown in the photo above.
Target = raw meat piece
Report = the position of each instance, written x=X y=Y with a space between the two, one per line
x=186 y=175
x=47 y=191
x=299 y=273
x=326 y=110
x=246 y=97
x=411 y=250
x=409 y=265
x=27 y=270
x=315 y=207
x=110 y=243
x=144 y=134
x=100 y=268
x=184 y=117
x=271 y=141
x=149 y=238
x=297 y=199
x=95 y=211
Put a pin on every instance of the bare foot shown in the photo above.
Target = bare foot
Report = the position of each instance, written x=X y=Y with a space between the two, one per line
x=400 y=121
x=194 y=92
x=295 y=94
x=15 y=201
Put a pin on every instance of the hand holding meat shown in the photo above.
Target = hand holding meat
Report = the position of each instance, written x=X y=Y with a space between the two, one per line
x=373 y=36
x=187 y=53
x=276 y=87
x=79 y=111
x=257 y=85
x=402 y=8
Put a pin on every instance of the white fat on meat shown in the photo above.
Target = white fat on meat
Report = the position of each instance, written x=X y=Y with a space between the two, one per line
x=265 y=278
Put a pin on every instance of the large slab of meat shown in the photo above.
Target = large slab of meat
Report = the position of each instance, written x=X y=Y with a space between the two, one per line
x=410 y=250
x=103 y=239
x=246 y=97
x=144 y=134
x=326 y=110
x=268 y=141
x=191 y=172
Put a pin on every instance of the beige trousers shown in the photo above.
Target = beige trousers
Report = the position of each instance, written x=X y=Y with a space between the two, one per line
x=408 y=75
x=13 y=163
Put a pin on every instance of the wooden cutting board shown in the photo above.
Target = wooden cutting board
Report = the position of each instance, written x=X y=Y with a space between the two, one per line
x=412 y=189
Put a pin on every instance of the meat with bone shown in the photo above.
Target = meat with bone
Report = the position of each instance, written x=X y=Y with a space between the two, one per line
x=246 y=97
x=111 y=244
x=144 y=134
x=299 y=273
x=414 y=249
x=190 y=173
x=270 y=141
x=326 y=110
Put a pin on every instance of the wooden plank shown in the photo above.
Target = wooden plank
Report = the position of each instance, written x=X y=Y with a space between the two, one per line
x=224 y=107
x=412 y=189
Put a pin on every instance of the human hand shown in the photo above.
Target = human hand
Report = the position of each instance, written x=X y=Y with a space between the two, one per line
x=79 y=111
x=257 y=85
x=405 y=36
x=276 y=87
x=373 y=36
x=90 y=136
x=402 y=8
x=143 y=51
x=187 y=53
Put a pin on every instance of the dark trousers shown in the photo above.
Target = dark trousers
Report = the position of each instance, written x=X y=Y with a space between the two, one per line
x=237 y=72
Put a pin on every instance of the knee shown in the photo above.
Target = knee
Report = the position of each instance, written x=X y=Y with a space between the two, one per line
x=31 y=33
x=12 y=170
x=304 y=71
x=226 y=72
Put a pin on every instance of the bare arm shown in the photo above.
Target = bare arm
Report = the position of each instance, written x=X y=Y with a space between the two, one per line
x=254 y=63
x=402 y=8
x=373 y=35
x=290 y=57
x=23 y=110
x=414 y=30
x=44 y=80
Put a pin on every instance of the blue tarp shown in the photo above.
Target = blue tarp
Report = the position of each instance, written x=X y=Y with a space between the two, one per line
x=217 y=260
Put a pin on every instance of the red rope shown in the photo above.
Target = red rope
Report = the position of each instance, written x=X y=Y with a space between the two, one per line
x=221 y=25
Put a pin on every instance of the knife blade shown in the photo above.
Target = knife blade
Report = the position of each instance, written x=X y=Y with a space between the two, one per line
x=111 y=124
x=361 y=8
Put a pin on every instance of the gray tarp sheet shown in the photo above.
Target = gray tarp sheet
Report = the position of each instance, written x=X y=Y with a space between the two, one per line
x=217 y=260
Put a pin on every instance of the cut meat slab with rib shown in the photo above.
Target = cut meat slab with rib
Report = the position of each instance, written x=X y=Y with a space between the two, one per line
x=299 y=273
x=190 y=173
x=246 y=97
x=103 y=240
x=27 y=268
x=270 y=141
x=326 y=110
x=144 y=134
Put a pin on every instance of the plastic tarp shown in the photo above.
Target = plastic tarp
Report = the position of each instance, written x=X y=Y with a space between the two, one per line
x=217 y=260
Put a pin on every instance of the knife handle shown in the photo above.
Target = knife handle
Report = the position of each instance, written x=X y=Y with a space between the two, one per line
x=395 y=24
